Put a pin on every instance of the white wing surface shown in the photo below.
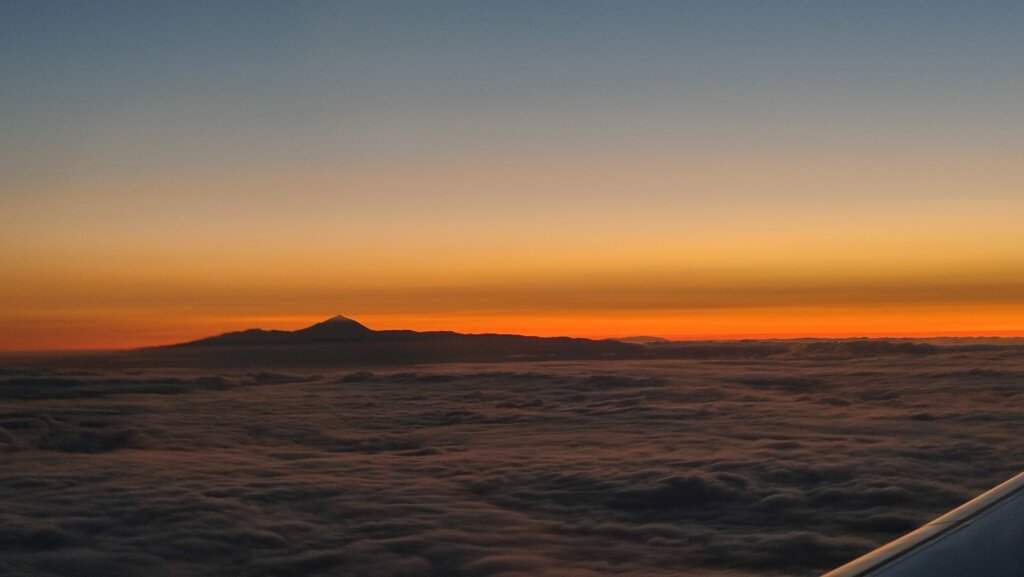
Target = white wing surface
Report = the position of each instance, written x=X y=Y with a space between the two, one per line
x=982 y=538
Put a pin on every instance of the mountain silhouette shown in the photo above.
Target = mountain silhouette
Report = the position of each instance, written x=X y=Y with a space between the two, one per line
x=341 y=340
x=334 y=330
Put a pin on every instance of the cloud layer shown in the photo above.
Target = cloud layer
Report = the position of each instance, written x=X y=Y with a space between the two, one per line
x=725 y=467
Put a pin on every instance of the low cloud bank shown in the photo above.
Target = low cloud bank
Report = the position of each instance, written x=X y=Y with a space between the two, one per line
x=731 y=468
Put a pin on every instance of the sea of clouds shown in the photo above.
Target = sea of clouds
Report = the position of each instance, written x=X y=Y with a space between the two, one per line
x=734 y=467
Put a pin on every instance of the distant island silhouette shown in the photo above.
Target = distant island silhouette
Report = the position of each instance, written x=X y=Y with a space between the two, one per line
x=335 y=329
x=342 y=341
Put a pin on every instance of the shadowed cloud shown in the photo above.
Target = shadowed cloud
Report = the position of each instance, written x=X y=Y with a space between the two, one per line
x=764 y=466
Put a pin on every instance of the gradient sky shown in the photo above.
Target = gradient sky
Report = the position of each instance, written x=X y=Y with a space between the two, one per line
x=717 y=169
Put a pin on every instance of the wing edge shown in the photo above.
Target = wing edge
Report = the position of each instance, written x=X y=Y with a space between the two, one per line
x=945 y=524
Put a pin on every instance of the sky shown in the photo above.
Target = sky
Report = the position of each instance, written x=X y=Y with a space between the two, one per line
x=170 y=170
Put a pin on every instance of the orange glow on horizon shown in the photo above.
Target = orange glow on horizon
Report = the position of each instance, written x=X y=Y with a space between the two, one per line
x=775 y=244
x=586 y=177
x=85 y=333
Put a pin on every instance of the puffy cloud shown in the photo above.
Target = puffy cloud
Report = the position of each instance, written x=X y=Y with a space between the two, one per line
x=763 y=466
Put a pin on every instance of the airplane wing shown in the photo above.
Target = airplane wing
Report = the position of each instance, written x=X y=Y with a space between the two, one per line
x=982 y=538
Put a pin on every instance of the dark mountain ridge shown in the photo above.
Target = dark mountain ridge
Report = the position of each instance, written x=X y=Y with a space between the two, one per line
x=343 y=342
x=337 y=329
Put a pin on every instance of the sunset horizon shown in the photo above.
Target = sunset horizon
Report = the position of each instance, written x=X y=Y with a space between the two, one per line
x=686 y=171
x=652 y=324
x=527 y=288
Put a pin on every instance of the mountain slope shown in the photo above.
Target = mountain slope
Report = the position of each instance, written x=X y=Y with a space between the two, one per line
x=335 y=329
x=343 y=340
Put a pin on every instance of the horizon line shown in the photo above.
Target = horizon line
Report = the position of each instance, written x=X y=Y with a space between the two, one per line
x=682 y=338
